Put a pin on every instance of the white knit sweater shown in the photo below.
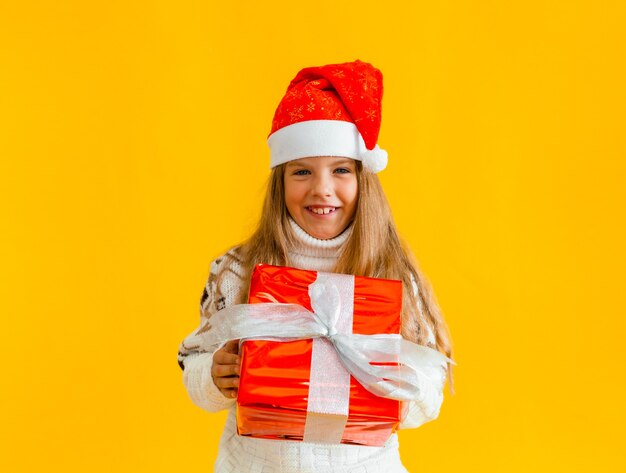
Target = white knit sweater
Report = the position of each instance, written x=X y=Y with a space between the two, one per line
x=247 y=454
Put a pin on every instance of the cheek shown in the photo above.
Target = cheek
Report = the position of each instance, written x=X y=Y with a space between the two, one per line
x=351 y=194
x=293 y=196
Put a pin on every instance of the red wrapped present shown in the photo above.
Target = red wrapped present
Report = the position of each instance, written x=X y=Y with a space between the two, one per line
x=299 y=390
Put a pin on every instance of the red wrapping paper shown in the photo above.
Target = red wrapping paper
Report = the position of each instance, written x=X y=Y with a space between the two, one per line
x=274 y=380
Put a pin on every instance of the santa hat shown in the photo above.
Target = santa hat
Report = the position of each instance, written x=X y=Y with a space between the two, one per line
x=331 y=110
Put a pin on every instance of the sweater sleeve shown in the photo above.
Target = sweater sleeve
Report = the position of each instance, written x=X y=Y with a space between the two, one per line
x=222 y=288
x=432 y=381
x=427 y=407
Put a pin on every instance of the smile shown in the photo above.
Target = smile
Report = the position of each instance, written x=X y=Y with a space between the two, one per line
x=321 y=210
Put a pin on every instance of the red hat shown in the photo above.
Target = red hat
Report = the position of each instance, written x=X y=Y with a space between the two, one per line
x=331 y=110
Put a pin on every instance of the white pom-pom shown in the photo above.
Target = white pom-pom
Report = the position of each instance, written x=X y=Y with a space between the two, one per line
x=375 y=160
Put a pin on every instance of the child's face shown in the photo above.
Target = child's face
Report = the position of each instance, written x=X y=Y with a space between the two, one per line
x=321 y=194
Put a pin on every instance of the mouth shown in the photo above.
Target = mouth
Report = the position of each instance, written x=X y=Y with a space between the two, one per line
x=321 y=210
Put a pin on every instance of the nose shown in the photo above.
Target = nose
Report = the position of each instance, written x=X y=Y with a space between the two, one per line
x=322 y=185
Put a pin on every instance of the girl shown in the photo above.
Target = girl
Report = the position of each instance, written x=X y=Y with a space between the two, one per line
x=324 y=210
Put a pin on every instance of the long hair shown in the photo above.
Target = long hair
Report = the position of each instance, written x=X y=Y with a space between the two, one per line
x=373 y=249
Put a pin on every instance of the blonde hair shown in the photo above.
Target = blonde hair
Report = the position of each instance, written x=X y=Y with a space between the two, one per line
x=373 y=249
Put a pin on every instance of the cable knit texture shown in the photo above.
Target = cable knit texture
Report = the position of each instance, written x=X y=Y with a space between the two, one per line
x=246 y=454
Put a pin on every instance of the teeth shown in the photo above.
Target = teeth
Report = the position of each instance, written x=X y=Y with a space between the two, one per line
x=322 y=211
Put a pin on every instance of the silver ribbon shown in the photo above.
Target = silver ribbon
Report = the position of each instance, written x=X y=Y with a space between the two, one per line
x=274 y=321
x=328 y=401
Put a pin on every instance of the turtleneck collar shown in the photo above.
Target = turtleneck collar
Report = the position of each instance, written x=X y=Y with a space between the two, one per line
x=308 y=246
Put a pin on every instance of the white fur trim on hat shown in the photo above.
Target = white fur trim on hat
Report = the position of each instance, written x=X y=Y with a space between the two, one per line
x=322 y=138
x=375 y=160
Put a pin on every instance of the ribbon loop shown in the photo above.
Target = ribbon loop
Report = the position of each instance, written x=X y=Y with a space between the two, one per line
x=325 y=302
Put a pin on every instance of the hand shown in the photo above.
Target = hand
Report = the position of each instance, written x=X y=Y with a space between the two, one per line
x=225 y=369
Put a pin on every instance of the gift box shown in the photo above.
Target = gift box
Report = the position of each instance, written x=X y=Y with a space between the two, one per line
x=299 y=389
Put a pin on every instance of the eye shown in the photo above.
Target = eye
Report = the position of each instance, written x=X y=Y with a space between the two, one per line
x=301 y=172
x=343 y=171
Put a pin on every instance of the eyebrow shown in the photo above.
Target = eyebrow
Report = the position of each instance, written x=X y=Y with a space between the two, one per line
x=344 y=161
x=340 y=162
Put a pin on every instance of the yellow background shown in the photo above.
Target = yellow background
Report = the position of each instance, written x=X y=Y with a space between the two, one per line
x=132 y=146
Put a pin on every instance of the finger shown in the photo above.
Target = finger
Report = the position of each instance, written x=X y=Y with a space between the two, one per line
x=227 y=383
x=220 y=371
x=229 y=393
x=223 y=358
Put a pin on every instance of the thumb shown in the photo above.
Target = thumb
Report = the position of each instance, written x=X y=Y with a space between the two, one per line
x=232 y=346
